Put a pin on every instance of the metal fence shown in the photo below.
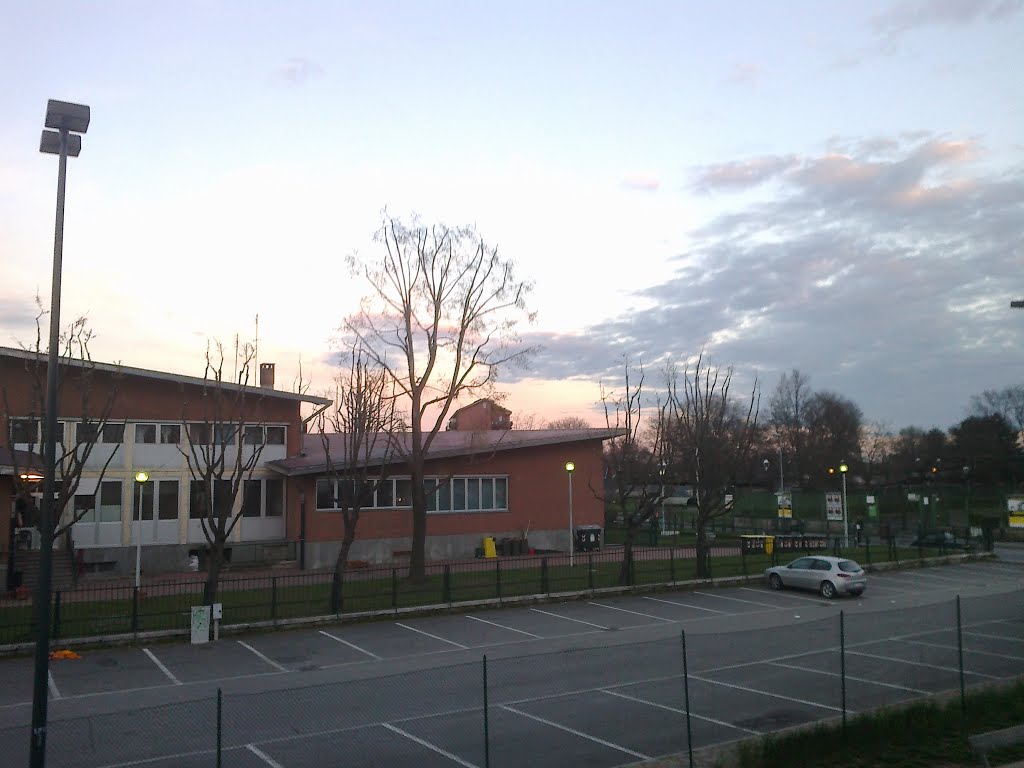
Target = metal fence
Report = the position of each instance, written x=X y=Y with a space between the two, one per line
x=601 y=705
x=165 y=604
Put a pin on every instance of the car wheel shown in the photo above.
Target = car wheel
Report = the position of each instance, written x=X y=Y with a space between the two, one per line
x=775 y=581
x=828 y=590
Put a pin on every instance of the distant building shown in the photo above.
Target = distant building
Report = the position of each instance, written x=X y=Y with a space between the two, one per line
x=481 y=415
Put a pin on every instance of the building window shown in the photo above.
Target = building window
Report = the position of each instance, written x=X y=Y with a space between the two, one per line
x=275 y=435
x=225 y=434
x=467 y=494
x=263 y=498
x=167 y=500
x=199 y=433
x=110 y=501
x=25 y=431
x=260 y=435
x=222 y=501
x=170 y=434
x=145 y=433
x=85 y=509
x=93 y=432
x=391 y=493
x=251 y=498
x=148 y=497
x=253 y=436
x=274 y=488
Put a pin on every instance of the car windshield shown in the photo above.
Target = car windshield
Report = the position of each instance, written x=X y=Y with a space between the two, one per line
x=848 y=566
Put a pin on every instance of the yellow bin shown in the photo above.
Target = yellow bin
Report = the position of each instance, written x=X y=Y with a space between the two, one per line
x=489 y=548
x=769 y=544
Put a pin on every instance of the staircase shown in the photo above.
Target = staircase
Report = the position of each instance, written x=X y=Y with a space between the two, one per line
x=27 y=561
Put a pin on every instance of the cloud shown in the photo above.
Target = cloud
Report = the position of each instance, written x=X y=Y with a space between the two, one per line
x=742 y=174
x=298 y=70
x=883 y=273
x=909 y=15
x=641 y=182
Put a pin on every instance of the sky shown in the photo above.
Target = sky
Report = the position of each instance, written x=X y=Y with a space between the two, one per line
x=832 y=187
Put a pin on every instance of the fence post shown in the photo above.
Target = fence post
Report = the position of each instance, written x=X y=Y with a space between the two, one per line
x=867 y=549
x=394 y=588
x=135 y=610
x=590 y=571
x=960 y=651
x=686 y=698
x=487 y=722
x=220 y=726
x=672 y=564
x=842 y=664
x=497 y=577
x=446 y=588
x=545 y=584
x=55 y=624
x=743 y=558
x=273 y=598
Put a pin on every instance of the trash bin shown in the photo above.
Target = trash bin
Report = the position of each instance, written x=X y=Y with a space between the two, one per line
x=193 y=562
x=588 y=538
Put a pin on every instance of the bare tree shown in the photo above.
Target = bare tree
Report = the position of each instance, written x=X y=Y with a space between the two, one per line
x=359 y=451
x=833 y=425
x=572 y=422
x=634 y=461
x=440 y=320
x=712 y=436
x=224 y=448
x=86 y=393
x=1007 y=402
x=788 y=422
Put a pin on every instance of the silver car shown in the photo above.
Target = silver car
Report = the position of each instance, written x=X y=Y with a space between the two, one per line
x=830 y=576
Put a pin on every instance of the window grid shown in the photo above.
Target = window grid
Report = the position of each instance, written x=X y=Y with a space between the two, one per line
x=459 y=494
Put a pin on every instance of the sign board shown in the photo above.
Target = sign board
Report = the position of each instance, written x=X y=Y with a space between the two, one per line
x=913 y=497
x=218 y=610
x=1015 y=511
x=834 y=506
x=200 y=624
x=785 y=504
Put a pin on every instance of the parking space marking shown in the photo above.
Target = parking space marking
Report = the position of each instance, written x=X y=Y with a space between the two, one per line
x=263 y=756
x=678 y=711
x=968 y=650
x=995 y=637
x=267 y=659
x=739 y=599
x=780 y=593
x=921 y=664
x=849 y=677
x=350 y=645
x=578 y=621
x=161 y=667
x=428 y=745
x=575 y=732
x=684 y=605
x=635 y=613
x=436 y=637
x=502 y=626
x=52 y=685
x=767 y=693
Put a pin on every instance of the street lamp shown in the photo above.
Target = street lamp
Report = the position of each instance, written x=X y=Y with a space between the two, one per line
x=140 y=478
x=569 y=468
x=843 y=469
x=67 y=120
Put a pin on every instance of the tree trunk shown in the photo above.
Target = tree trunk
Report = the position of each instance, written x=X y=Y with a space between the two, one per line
x=626 y=569
x=213 y=574
x=340 y=565
x=418 y=550
x=703 y=548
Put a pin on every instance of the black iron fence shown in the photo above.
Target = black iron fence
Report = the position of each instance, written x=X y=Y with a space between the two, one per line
x=629 y=700
x=165 y=604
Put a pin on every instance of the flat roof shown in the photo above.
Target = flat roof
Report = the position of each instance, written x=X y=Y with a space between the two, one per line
x=24 y=354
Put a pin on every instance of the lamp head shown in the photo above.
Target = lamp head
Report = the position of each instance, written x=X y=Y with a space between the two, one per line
x=30 y=476
x=70 y=117
x=569 y=466
x=141 y=477
x=844 y=468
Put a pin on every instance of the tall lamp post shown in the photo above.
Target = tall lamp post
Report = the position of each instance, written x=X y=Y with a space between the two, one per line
x=67 y=121
x=140 y=478
x=843 y=469
x=569 y=468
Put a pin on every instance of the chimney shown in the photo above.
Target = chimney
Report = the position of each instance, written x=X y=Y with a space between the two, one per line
x=267 y=375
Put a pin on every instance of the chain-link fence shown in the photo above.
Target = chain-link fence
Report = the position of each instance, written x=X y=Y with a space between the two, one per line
x=608 y=705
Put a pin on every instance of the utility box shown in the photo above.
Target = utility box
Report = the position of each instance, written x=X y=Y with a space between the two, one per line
x=588 y=538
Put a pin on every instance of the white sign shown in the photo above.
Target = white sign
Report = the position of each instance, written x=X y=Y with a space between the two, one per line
x=870 y=499
x=834 y=506
x=218 y=610
x=1015 y=510
x=200 y=624
x=785 y=504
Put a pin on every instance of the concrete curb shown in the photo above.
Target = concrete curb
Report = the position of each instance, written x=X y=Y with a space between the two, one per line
x=129 y=638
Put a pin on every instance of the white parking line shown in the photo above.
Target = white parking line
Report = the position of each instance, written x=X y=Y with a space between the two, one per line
x=502 y=626
x=578 y=621
x=161 y=667
x=436 y=637
x=920 y=664
x=350 y=645
x=685 y=605
x=52 y=685
x=574 y=732
x=995 y=637
x=767 y=693
x=263 y=756
x=849 y=677
x=428 y=745
x=267 y=659
x=681 y=711
x=739 y=600
x=966 y=650
x=786 y=594
x=635 y=613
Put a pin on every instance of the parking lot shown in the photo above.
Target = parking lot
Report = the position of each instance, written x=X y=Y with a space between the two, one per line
x=589 y=682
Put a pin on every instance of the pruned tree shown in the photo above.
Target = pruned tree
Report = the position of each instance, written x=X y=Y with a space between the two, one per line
x=635 y=460
x=440 y=320
x=360 y=448
x=86 y=394
x=711 y=436
x=572 y=422
x=225 y=442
